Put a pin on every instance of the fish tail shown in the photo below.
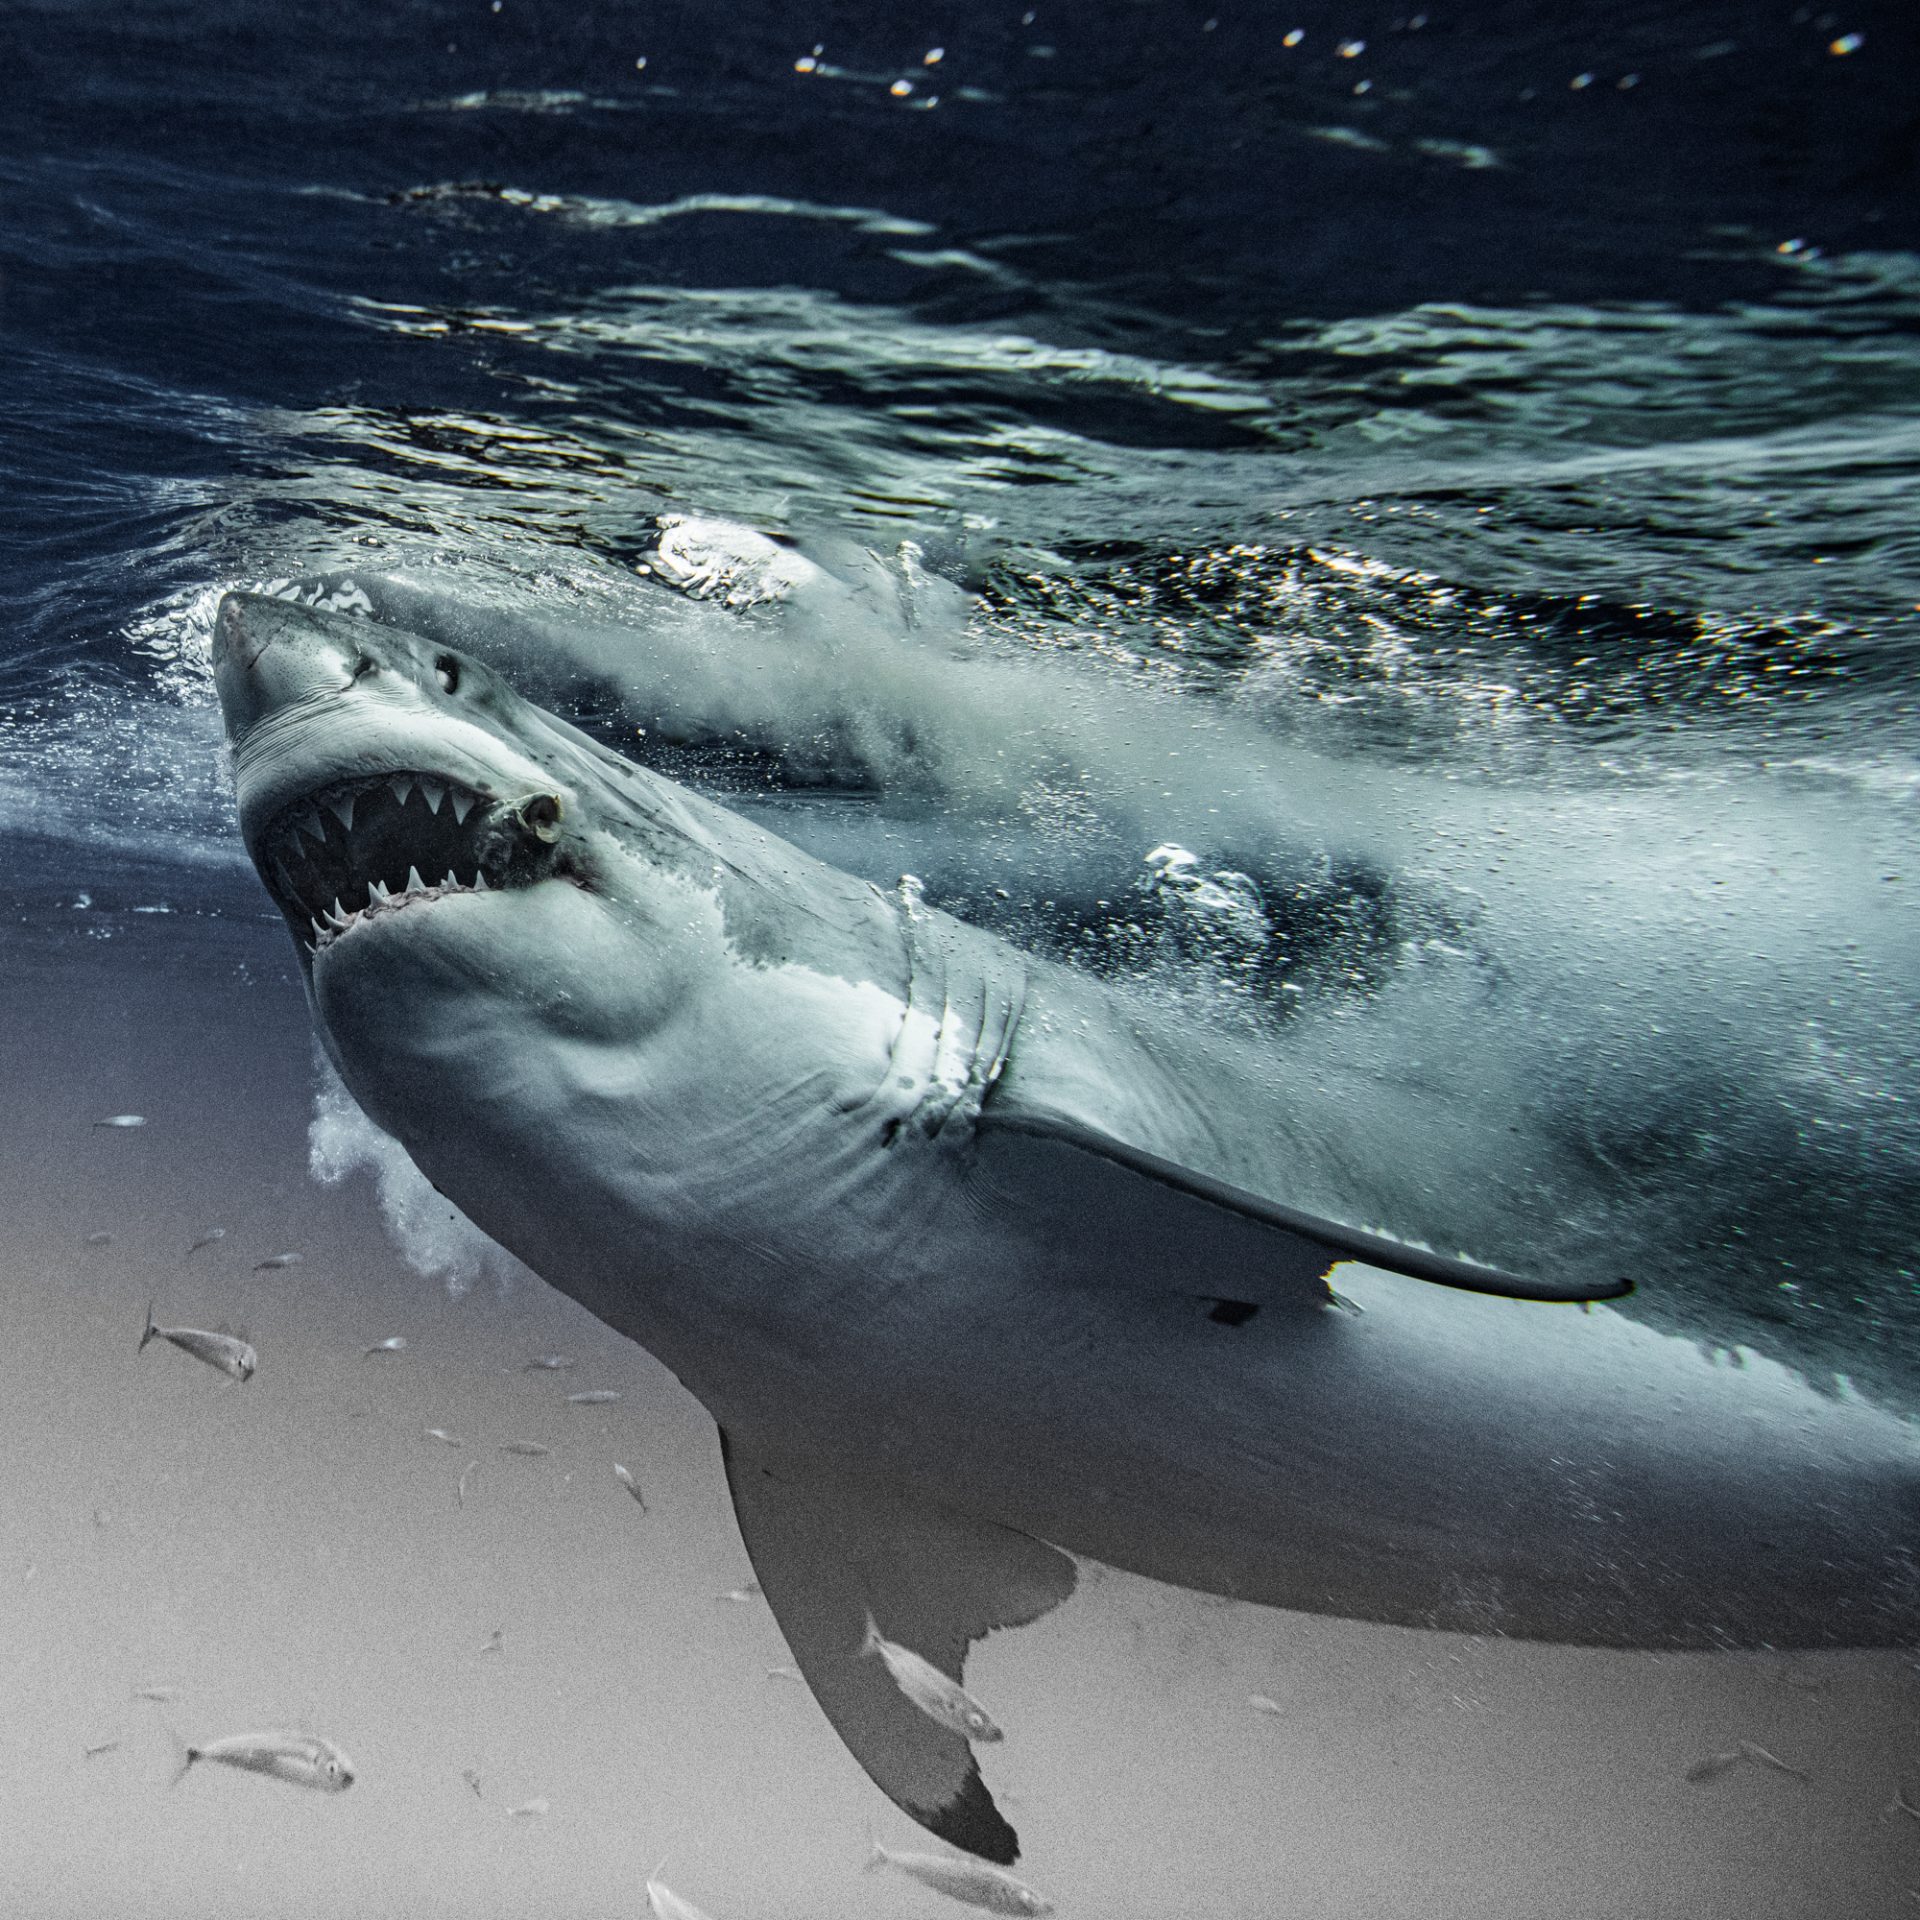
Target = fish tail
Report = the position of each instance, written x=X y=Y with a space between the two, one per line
x=870 y=1643
x=877 y=1856
x=187 y=1755
x=151 y=1330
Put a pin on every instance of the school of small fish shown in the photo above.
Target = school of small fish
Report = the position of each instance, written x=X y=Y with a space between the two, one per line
x=302 y=1759
x=306 y=1760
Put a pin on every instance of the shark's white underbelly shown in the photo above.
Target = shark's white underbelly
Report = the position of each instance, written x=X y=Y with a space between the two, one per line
x=838 y=1272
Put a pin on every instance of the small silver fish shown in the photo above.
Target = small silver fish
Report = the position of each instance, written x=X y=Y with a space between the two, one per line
x=122 y=1120
x=208 y=1238
x=549 y=1363
x=161 y=1694
x=473 y=1780
x=530 y=1809
x=94 y=1753
x=532 y=1449
x=277 y=1260
x=632 y=1485
x=466 y=1473
x=393 y=1343
x=99 y=1239
x=598 y=1397
x=785 y=1673
x=668 y=1905
x=496 y=1641
x=741 y=1596
x=1264 y=1703
x=235 y=1358
x=445 y=1438
x=1751 y=1750
x=971 y=1881
x=300 y=1759
x=1901 y=1804
x=944 y=1701
x=1715 y=1764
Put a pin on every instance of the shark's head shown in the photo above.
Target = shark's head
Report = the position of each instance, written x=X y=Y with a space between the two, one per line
x=377 y=774
x=491 y=908
x=447 y=855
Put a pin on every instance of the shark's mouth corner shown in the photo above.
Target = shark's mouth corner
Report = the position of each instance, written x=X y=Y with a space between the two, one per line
x=355 y=850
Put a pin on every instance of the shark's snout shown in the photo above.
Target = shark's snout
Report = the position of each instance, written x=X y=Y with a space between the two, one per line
x=268 y=655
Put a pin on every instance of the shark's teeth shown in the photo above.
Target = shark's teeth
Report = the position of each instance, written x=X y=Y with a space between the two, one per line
x=305 y=858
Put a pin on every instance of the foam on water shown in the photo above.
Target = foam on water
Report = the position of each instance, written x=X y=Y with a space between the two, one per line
x=434 y=1237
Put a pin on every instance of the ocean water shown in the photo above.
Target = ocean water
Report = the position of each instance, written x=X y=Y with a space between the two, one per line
x=1397 y=543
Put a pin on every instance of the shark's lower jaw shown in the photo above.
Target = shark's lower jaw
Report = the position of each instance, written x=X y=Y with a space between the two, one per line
x=336 y=925
x=357 y=850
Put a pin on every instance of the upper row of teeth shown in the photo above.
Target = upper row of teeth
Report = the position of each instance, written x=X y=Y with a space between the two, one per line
x=400 y=786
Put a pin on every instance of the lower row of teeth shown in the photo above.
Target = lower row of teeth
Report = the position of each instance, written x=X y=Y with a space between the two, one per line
x=379 y=895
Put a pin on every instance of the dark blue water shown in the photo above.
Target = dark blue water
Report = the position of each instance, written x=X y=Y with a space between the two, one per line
x=1450 y=472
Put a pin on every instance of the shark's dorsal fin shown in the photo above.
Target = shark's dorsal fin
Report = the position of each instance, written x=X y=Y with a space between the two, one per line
x=829 y=1553
x=1169 y=1220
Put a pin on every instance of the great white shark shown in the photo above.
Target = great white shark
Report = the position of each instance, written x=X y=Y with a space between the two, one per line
x=978 y=1267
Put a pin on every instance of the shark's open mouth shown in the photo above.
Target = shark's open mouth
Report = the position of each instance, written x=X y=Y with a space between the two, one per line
x=361 y=848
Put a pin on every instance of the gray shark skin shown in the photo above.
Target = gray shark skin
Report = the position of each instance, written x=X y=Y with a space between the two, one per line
x=974 y=1267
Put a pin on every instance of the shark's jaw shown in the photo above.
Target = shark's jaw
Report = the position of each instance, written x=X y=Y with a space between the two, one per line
x=352 y=851
x=379 y=777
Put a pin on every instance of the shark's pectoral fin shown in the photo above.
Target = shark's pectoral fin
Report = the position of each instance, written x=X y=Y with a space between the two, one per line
x=1158 y=1219
x=829 y=1552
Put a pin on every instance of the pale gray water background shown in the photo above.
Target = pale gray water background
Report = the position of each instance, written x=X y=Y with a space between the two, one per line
x=1473 y=507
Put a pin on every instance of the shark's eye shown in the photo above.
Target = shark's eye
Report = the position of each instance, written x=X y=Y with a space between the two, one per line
x=447 y=671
